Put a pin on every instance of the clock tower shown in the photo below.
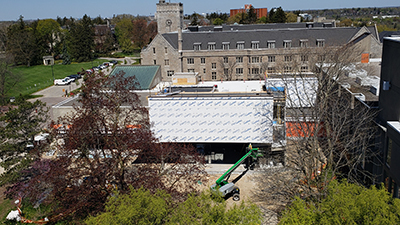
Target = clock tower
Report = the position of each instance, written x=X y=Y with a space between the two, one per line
x=169 y=17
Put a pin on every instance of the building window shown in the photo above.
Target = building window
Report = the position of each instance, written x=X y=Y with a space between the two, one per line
x=170 y=73
x=214 y=75
x=271 y=44
x=213 y=65
x=239 y=71
x=166 y=50
x=255 y=70
x=320 y=43
x=271 y=58
x=190 y=60
x=287 y=69
x=211 y=46
x=154 y=50
x=225 y=45
x=255 y=44
x=239 y=59
x=191 y=70
x=304 y=58
x=197 y=46
x=226 y=71
x=255 y=59
x=287 y=44
x=166 y=62
x=321 y=58
x=225 y=59
x=204 y=70
x=271 y=70
x=304 y=69
x=304 y=43
x=240 y=45
x=288 y=58
x=202 y=60
x=155 y=62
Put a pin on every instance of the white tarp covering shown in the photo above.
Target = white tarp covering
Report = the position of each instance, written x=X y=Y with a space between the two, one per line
x=300 y=92
x=212 y=119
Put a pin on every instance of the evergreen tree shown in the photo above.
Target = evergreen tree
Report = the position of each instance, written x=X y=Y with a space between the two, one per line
x=66 y=56
x=21 y=42
x=17 y=130
x=194 y=18
x=81 y=39
x=251 y=15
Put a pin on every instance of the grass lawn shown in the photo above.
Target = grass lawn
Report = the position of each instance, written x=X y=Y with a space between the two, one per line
x=36 y=78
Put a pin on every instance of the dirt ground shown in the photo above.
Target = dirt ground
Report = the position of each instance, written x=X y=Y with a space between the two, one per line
x=248 y=185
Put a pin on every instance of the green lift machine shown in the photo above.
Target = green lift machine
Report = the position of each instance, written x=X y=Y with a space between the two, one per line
x=226 y=189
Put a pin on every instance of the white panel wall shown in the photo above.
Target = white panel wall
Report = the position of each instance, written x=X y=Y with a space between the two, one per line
x=212 y=119
x=300 y=92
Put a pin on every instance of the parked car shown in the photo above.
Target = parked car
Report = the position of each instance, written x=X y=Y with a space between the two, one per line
x=64 y=81
x=103 y=66
x=71 y=79
x=114 y=62
x=96 y=68
x=75 y=76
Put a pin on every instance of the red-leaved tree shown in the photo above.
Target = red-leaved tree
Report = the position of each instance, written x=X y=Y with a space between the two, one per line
x=107 y=144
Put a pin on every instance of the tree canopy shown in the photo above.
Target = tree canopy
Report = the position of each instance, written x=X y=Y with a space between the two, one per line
x=141 y=207
x=346 y=203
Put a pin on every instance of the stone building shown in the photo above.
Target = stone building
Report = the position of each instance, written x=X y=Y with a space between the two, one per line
x=169 y=16
x=237 y=52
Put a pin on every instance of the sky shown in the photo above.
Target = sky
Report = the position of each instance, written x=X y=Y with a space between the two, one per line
x=10 y=10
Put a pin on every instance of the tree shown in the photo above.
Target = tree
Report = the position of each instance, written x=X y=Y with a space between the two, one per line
x=346 y=203
x=21 y=42
x=277 y=15
x=17 y=130
x=133 y=208
x=123 y=31
x=108 y=144
x=251 y=15
x=291 y=17
x=49 y=31
x=81 y=40
x=229 y=67
x=8 y=78
x=143 y=33
x=194 y=18
x=336 y=140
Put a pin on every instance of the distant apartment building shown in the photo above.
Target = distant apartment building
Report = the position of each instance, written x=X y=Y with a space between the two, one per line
x=259 y=11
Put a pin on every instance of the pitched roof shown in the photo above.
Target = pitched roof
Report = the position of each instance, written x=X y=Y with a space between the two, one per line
x=144 y=74
x=260 y=26
x=332 y=36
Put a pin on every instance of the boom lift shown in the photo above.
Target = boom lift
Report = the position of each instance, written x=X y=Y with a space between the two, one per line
x=226 y=189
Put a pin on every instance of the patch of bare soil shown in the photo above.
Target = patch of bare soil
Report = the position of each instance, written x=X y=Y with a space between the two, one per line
x=249 y=187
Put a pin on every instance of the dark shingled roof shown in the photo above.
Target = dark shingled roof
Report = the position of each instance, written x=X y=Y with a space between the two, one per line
x=144 y=74
x=332 y=37
x=266 y=26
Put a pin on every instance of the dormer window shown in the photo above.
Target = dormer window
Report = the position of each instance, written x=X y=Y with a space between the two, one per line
x=255 y=44
x=303 y=43
x=287 y=43
x=271 y=44
x=240 y=45
x=197 y=46
x=320 y=43
x=211 y=46
x=225 y=45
